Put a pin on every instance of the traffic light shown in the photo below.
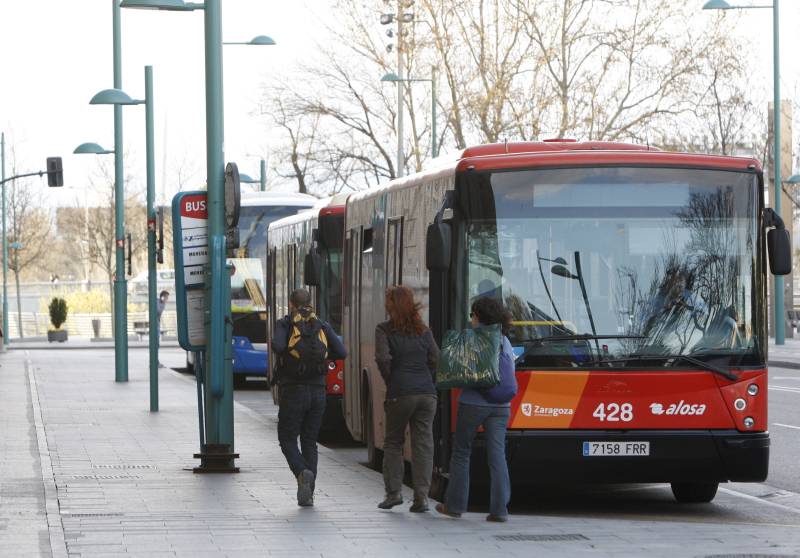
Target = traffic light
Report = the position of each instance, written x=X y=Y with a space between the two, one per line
x=55 y=172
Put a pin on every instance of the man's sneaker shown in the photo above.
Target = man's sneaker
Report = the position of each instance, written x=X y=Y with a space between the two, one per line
x=391 y=501
x=419 y=506
x=305 y=490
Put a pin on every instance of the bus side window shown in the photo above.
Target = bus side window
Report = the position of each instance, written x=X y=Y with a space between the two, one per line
x=394 y=252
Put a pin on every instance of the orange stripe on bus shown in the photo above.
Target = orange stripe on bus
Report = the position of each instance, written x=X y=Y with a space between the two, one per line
x=550 y=400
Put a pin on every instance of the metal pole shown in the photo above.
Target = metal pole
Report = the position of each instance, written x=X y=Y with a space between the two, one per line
x=400 y=85
x=434 y=149
x=263 y=175
x=219 y=406
x=5 y=241
x=120 y=284
x=776 y=85
x=152 y=272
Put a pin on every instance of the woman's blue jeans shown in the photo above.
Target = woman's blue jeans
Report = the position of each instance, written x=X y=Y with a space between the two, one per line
x=495 y=422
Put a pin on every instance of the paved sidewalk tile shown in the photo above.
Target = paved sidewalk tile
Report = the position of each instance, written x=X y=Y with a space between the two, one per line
x=122 y=485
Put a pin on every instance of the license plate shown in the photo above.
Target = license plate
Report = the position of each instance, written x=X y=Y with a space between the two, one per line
x=616 y=449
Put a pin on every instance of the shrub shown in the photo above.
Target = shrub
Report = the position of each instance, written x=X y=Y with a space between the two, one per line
x=58 y=312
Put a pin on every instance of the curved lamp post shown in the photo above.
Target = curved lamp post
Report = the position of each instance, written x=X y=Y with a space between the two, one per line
x=776 y=158
x=217 y=446
x=561 y=270
x=262 y=181
x=394 y=78
x=118 y=97
x=91 y=148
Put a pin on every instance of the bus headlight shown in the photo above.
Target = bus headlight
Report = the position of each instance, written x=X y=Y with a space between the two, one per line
x=331 y=365
x=336 y=388
x=749 y=422
x=340 y=375
x=739 y=404
x=752 y=389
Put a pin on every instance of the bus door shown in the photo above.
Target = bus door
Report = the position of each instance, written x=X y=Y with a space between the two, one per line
x=352 y=398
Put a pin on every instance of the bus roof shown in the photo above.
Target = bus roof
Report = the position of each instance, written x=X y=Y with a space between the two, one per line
x=250 y=199
x=327 y=206
x=560 y=153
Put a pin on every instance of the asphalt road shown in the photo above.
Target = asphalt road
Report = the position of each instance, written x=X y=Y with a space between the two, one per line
x=775 y=502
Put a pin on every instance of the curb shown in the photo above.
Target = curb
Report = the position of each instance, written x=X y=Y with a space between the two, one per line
x=58 y=544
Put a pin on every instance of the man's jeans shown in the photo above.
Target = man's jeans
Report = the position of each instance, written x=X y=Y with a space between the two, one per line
x=495 y=422
x=416 y=411
x=300 y=414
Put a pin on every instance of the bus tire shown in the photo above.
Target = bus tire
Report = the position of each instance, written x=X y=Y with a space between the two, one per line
x=374 y=455
x=239 y=381
x=694 y=492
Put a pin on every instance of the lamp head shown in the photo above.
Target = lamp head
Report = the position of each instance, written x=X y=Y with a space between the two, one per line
x=91 y=148
x=247 y=179
x=562 y=271
x=716 y=5
x=262 y=40
x=170 y=5
x=391 y=77
x=794 y=179
x=112 y=97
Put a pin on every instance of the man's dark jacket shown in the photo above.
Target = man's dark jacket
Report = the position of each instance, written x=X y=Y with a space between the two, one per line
x=280 y=342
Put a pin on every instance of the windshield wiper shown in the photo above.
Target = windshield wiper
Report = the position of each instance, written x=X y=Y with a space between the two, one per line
x=691 y=360
x=579 y=337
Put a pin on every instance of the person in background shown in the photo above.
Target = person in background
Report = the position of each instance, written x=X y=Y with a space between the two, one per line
x=161 y=304
x=406 y=355
x=489 y=408
x=302 y=344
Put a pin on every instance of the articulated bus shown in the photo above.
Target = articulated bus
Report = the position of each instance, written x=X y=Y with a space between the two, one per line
x=248 y=282
x=637 y=283
x=316 y=233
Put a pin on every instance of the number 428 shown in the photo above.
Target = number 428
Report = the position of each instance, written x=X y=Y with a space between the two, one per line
x=614 y=412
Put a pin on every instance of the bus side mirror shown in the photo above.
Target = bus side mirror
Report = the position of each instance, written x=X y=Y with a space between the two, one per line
x=780 y=251
x=437 y=246
x=312 y=267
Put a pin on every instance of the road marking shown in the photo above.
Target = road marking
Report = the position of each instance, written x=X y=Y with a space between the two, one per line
x=785 y=388
x=793 y=378
x=759 y=500
x=786 y=425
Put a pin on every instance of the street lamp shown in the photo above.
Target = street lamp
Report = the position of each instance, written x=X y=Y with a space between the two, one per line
x=91 y=148
x=262 y=181
x=394 y=78
x=217 y=451
x=776 y=86
x=118 y=97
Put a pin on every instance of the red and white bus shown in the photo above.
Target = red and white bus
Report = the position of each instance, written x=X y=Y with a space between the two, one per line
x=317 y=234
x=637 y=283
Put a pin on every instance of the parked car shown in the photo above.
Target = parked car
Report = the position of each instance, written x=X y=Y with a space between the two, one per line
x=165 y=282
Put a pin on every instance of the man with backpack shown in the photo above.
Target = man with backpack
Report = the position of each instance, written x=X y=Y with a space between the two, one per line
x=302 y=344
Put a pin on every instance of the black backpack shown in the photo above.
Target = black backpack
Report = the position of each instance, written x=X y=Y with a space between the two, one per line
x=306 y=350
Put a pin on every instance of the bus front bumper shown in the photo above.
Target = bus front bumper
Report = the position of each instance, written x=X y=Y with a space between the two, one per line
x=674 y=456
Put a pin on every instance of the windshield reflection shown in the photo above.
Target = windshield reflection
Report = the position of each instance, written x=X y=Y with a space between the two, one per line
x=618 y=262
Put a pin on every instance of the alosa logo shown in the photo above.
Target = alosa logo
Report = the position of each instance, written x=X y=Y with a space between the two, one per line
x=679 y=408
x=529 y=409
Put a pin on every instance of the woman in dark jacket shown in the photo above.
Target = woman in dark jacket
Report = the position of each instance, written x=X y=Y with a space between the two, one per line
x=406 y=355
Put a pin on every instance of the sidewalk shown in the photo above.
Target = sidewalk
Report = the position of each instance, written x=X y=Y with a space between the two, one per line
x=88 y=471
x=786 y=355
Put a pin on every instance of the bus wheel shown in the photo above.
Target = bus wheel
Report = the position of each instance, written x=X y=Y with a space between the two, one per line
x=239 y=381
x=694 y=492
x=374 y=455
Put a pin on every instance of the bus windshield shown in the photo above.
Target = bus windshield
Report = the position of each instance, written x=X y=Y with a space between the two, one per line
x=599 y=266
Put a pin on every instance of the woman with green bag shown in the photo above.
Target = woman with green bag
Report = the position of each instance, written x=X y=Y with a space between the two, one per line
x=488 y=407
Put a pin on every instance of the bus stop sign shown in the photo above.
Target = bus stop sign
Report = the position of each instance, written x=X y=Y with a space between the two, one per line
x=190 y=245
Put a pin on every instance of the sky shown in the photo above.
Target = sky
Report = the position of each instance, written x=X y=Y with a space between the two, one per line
x=55 y=54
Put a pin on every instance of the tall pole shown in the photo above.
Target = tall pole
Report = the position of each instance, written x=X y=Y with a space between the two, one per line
x=776 y=85
x=219 y=384
x=263 y=175
x=120 y=284
x=434 y=147
x=152 y=316
x=400 y=86
x=5 y=241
